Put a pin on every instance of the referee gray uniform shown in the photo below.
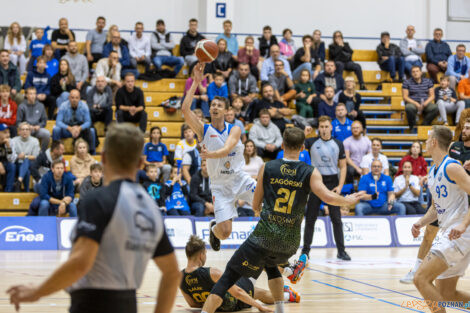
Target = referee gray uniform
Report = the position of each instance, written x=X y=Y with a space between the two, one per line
x=325 y=156
x=127 y=224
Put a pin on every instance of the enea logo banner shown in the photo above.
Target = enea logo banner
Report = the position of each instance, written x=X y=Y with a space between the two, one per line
x=28 y=233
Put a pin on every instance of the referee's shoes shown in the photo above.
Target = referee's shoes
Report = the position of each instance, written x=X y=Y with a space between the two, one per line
x=343 y=256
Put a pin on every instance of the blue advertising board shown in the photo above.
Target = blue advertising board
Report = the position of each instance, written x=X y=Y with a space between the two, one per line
x=28 y=233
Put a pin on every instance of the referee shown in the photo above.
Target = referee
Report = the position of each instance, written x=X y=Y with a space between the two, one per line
x=118 y=231
x=327 y=155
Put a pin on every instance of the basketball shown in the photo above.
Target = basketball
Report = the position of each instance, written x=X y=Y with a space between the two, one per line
x=206 y=51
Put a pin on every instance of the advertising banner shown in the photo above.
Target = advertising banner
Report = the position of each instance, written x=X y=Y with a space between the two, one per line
x=28 y=233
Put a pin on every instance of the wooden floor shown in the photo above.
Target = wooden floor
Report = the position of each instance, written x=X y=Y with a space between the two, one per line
x=369 y=283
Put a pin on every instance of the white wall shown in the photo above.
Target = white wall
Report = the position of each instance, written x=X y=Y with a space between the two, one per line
x=359 y=18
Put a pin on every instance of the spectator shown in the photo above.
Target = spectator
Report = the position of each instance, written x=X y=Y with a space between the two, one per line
x=78 y=65
x=266 y=136
x=243 y=84
x=32 y=112
x=458 y=66
x=185 y=145
x=418 y=94
x=412 y=49
x=340 y=52
x=231 y=119
x=130 y=106
x=100 y=102
x=26 y=148
x=36 y=47
x=355 y=148
x=304 y=156
x=81 y=161
x=42 y=164
x=276 y=109
x=95 y=41
x=117 y=44
x=200 y=100
x=352 y=99
x=109 y=36
x=191 y=164
x=407 y=190
x=390 y=58
x=306 y=59
x=253 y=162
x=379 y=198
x=463 y=89
x=61 y=84
x=306 y=100
x=218 y=88
x=268 y=64
x=329 y=78
x=7 y=160
x=223 y=64
x=437 y=54
x=230 y=40
x=368 y=159
x=287 y=45
x=157 y=153
x=10 y=76
x=152 y=184
x=73 y=120
x=200 y=193
x=188 y=43
x=319 y=46
x=16 y=46
x=8 y=109
x=41 y=80
x=61 y=37
x=283 y=86
x=328 y=105
x=162 y=49
x=110 y=69
x=175 y=191
x=341 y=124
x=57 y=192
x=139 y=47
x=92 y=181
x=250 y=55
x=266 y=42
x=418 y=163
x=52 y=64
x=446 y=100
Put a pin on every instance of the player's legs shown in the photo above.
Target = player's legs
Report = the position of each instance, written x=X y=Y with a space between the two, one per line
x=313 y=206
x=223 y=229
x=448 y=289
x=215 y=299
x=276 y=286
x=263 y=295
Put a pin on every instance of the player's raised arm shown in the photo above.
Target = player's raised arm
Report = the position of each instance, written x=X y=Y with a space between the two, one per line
x=259 y=192
x=327 y=196
x=189 y=117
x=230 y=143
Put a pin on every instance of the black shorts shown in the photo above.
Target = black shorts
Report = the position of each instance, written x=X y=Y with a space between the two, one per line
x=435 y=223
x=250 y=260
x=103 y=301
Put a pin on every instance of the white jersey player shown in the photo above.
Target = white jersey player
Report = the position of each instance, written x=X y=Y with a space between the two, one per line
x=450 y=257
x=223 y=150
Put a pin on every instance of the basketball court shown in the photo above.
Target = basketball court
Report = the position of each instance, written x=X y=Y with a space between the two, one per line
x=369 y=283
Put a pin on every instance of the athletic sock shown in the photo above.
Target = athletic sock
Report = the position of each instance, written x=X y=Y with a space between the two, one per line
x=286 y=296
x=212 y=228
x=287 y=271
x=417 y=264
x=279 y=307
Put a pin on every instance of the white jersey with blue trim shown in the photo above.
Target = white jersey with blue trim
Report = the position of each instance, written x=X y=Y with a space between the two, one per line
x=450 y=200
x=229 y=166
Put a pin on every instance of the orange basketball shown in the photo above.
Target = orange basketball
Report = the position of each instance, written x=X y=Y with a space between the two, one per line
x=206 y=51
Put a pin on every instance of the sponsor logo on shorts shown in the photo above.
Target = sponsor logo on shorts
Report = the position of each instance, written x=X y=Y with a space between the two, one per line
x=250 y=266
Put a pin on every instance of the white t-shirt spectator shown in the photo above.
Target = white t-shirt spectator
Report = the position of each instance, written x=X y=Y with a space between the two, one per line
x=369 y=158
x=408 y=195
x=253 y=167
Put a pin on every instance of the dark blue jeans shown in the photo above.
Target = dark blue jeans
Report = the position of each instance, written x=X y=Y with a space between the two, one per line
x=392 y=64
x=410 y=64
x=169 y=60
x=46 y=209
x=175 y=212
x=10 y=171
x=364 y=208
x=198 y=208
x=87 y=134
x=22 y=168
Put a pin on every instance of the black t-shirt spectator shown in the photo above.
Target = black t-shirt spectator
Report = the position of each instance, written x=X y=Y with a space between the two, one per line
x=126 y=98
x=61 y=39
x=352 y=103
x=199 y=189
x=301 y=52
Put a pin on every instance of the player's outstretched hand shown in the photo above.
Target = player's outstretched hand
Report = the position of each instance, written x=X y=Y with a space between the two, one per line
x=457 y=231
x=20 y=294
x=263 y=308
x=415 y=229
x=198 y=72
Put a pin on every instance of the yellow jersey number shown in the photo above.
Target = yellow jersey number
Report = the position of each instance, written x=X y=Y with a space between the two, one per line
x=201 y=297
x=285 y=201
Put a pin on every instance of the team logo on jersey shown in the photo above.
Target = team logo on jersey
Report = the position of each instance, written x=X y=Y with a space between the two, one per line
x=227 y=165
x=439 y=177
x=191 y=281
x=143 y=222
x=285 y=170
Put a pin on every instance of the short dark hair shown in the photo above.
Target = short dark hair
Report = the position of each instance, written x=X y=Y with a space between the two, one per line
x=264 y=112
x=139 y=23
x=56 y=144
x=218 y=74
x=286 y=30
x=185 y=127
x=155 y=127
x=376 y=139
x=307 y=37
x=324 y=118
x=293 y=138
x=383 y=34
x=279 y=60
x=160 y=22
x=438 y=30
x=341 y=104
x=194 y=246
x=267 y=27
x=57 y=161
x=243 y=63
x=100 y=18
x=4 y=50
x=224 y=100
x=443 y=136
x=96 y=167
x=227 y=22
x=416 y=66
x=129 y=74
x=193 y=20
x=30 y=88
x=461 y=45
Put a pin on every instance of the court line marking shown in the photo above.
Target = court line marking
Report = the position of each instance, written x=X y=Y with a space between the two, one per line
x=375 y=286
x=366 y=296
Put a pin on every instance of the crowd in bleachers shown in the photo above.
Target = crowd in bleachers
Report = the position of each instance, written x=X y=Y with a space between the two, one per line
x=270 y=84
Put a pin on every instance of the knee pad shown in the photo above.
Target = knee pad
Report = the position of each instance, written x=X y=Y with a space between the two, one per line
x=273 y=272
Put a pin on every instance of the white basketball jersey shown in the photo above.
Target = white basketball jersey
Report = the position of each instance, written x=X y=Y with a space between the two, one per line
x=227 y=167
x=450 y=200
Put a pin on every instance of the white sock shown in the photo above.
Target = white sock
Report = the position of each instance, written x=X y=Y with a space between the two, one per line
x=212 y=228
x=417 y=264
x=287 y=271
x=279 y=307
x=286 y=296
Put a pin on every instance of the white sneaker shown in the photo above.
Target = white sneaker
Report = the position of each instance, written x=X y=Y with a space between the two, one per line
x=408 y=278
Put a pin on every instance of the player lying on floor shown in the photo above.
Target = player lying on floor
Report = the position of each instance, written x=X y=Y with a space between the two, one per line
x=198 y=282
